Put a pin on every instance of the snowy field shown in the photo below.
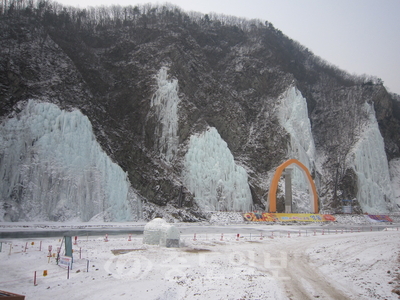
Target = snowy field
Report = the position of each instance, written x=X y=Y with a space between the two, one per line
x=264 y=264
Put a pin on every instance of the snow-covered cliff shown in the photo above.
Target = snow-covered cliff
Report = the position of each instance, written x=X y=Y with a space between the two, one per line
x=267 y=97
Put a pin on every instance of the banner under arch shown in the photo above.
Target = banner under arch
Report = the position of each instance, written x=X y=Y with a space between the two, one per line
x=277 y=176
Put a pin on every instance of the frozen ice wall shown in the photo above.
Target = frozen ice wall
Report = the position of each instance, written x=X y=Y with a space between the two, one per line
x=293 y=116
x=52 y=168
x=211 y=174
x=394 y=170
x=165 y=101
x=369 y=161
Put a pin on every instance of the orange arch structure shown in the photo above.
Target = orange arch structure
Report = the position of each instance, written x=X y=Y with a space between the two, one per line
x=277 y=176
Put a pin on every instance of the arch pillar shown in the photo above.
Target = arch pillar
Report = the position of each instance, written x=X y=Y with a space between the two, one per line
x=274 y=185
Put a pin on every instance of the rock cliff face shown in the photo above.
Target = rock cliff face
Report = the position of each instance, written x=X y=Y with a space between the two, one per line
x=150 y=78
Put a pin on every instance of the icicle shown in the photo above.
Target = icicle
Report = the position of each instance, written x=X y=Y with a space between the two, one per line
x=166 y=101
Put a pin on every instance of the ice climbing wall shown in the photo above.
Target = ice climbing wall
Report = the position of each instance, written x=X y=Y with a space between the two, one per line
x=52 y=168
x=165 y=101
x=369 y=161
x=293 y=116
x=212 y=175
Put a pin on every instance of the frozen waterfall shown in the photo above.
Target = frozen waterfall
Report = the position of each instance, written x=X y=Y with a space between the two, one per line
x=212 y=176
x=293 y=116
x=394 y=170
x=369 y=161
x=166 y=100
x=52 y=168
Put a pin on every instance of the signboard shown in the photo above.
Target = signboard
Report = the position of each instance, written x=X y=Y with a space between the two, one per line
x=276 y=217
x=378 y=218
x=260 y=217
x=65 y=262
x=347 y=209
x=68 y=245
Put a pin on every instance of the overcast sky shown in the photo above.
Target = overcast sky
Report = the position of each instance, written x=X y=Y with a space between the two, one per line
x=359 y=36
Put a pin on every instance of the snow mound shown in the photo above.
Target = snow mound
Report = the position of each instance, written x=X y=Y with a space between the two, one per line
x=220 y=217
x=351 y=219
x=159 y=232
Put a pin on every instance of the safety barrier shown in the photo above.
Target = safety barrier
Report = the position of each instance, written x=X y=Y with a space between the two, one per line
x=283 y=233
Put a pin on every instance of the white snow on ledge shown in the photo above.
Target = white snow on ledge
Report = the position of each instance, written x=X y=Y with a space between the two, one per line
x=211 y=174
x=52 y=168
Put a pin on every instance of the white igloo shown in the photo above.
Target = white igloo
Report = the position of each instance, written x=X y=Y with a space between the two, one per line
x=169 y=236
x=159 y=232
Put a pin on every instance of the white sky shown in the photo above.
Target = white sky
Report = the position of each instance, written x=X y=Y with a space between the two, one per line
x=359 y=36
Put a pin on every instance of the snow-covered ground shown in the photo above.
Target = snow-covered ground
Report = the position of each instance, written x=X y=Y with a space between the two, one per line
x=257 y=265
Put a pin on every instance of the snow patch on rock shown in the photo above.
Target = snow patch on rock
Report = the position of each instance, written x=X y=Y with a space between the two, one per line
x=223 y=217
